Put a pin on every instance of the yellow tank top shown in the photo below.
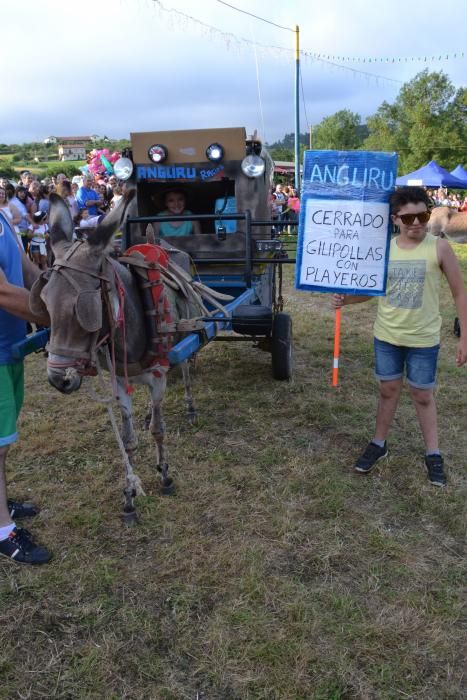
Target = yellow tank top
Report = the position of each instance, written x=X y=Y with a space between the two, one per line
x=409 y=313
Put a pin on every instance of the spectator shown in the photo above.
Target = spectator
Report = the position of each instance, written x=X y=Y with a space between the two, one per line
x=38 y=235
x=10 y=212
x=279 y=205
x=87 y=221
x=111 y=185
x=25 y=222
x=103 y=192
x=117 y=196
x=66 y=193
x=16 y=271
x=87 y=197
x=43 y=203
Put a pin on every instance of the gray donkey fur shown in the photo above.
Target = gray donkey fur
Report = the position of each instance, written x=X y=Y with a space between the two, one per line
x=78 y=314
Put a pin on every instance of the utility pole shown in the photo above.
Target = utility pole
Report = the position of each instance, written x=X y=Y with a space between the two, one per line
x=297 y=109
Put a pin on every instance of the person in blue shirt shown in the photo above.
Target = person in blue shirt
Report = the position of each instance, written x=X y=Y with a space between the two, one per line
x=87 y=197
x=16 y=273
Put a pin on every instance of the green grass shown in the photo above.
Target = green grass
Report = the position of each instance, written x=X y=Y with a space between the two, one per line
x=275 y=573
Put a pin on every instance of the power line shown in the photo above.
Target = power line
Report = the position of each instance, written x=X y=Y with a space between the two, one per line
x=261 y=19
x=229 y=37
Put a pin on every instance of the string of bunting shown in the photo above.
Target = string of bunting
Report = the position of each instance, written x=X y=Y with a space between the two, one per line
x=234 y=41
x=393 y=59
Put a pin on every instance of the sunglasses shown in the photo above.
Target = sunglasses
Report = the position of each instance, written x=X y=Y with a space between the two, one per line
x=408 y=219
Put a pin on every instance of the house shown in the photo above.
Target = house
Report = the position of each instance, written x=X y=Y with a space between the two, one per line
x=73 y=147
x=72 y=151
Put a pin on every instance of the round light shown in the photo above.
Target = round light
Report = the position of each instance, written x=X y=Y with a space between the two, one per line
x=253 y=166
x=157 y=153
x=214 y=152
x=123 y=168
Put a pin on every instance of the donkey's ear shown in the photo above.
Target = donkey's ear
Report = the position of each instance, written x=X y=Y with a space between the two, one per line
x=60 y=221
x=113 y=222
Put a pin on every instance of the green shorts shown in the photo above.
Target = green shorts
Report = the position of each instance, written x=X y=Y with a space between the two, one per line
x=11 y=400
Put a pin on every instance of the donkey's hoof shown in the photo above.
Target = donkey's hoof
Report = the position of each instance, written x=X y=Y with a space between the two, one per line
x=167 y=487
x=129 y=518
x=192 y=417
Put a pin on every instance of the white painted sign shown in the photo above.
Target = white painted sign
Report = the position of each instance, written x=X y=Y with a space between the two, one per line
x=344 y=246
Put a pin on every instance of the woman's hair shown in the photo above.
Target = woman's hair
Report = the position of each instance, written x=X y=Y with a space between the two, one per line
x=64 y=188
x=44 y=192
x=10 y=190
x=20 y=189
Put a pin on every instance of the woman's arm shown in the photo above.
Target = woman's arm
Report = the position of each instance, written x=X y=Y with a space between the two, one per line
x=15 y=213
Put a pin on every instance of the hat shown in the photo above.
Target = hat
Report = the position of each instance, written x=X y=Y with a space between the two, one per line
x=39 y=216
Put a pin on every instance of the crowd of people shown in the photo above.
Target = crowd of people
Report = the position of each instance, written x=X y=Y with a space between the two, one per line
x=26 y=206
x=442 y=198
x=285 y=206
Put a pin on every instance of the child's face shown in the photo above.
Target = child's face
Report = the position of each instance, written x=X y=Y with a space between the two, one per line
x=175 y=203
x=84 y=214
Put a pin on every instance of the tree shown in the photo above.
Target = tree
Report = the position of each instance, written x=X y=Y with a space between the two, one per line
x=341 y=131
x=426 y=122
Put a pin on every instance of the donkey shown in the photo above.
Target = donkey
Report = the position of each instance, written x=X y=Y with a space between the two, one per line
x=85 y=292
x=449 y=223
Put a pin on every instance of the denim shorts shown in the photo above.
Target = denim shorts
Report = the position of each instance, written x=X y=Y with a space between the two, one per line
x=419 y=364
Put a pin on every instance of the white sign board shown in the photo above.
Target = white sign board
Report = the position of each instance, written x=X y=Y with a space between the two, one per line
x=344 y=245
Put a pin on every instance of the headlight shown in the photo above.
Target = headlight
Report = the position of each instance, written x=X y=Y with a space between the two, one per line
x=214 y=152
x=157 y=153
x=123 y=167
x=253 y=166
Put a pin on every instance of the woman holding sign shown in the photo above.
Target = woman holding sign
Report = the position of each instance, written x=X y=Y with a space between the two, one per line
x=407 y=326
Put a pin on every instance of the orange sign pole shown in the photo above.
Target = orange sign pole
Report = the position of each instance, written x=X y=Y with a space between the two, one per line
x=337 y=338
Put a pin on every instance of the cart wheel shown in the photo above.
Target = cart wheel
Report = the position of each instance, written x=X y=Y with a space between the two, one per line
x=282 y=358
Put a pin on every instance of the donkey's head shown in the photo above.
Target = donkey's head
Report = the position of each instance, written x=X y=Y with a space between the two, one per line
x=72 y=292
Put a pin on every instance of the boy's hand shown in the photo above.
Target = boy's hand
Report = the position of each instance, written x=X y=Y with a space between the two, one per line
x=461 y=352
x=337 y=300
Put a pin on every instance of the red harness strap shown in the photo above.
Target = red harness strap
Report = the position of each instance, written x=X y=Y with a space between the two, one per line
x=160 y=322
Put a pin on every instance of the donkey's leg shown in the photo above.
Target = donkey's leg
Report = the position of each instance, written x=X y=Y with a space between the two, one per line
x=130 y=442
x=157 y=427
x=190 y=406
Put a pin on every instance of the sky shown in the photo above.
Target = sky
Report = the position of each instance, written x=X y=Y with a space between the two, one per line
x=111 y=67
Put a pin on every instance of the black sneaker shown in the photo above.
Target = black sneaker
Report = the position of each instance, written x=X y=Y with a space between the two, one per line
x=20 y=547
x=17 y=509
x=435 y=468
x=372 y=454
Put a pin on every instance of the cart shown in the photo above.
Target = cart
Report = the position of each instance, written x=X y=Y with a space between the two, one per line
x=227 y=180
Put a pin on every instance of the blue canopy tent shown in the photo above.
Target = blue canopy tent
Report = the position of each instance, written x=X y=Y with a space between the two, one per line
x=461 y=174
x=431 y=175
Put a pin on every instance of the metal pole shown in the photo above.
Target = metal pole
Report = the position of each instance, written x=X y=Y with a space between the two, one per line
x=297 y=110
